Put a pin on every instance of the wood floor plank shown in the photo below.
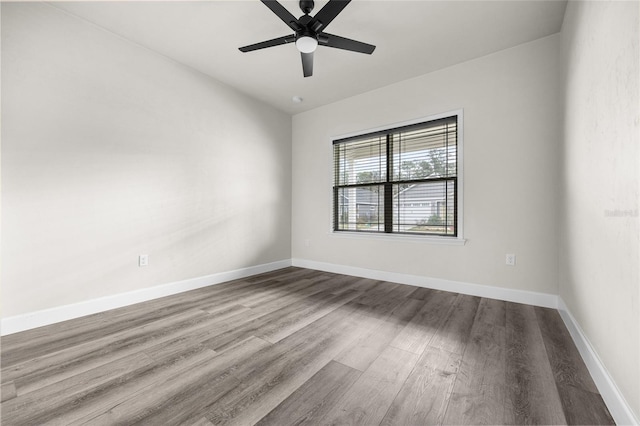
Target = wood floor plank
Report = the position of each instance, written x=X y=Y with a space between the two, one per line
x=204 y=333
x=202 y=422
x=105 y=403
x=32 y=343
x=566 y=363
x=582 y=407
x=367 y=401
x=423 y=326
x=297 y=294
x=181 y=396
x=283 y=321
x=492 y=311
x=52 y=401
x=60 y=337
x=45 y=370
x=289 y=274
x=278 y=330
x=311 y=401
x=480 y=389
x=8 y=391
x=241 y=295
x=228 y=300
x=423 y=398
x=377 y=293
x=346 y=283
x=226 y=311
x=194 y=336
x=369 y=346
x=401 y=291
x=421 y=293
x=579 y=395
x=453 y=334
x=283 y=288
x=532 y=388
x=268 y=379
x=224 y=294
x=173 y=348
x=239 y=322
x=264 y=349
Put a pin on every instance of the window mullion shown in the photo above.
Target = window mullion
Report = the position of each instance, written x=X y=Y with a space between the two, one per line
x=388 y=187
x=336 y=213
x=455 y=206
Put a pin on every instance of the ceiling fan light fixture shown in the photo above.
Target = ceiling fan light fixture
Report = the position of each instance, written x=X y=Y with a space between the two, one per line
x=308 y=31
x=306 y=44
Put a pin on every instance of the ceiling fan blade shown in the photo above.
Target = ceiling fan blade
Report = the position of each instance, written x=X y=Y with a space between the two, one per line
x=307 y=64
x=283 y=14
x=327 y=14
x=269 y=43
x=338 y=42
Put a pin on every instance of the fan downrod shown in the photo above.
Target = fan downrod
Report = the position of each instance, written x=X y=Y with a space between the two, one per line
x=306 y=6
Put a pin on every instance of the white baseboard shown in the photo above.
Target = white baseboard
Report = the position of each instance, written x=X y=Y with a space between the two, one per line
x=618 y=406
x=36 y=319
x=500 y=293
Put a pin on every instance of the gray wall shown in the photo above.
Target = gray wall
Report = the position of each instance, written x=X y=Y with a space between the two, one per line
x=512 y=129
x=110 y=151
x=599 y=243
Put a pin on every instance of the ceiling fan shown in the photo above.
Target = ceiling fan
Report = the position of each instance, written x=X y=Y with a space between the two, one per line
x=309 y=31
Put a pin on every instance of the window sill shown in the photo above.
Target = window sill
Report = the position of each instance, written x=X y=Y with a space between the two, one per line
x=400 y=237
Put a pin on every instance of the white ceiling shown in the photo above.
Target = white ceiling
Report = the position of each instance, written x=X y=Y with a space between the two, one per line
x=412 y=38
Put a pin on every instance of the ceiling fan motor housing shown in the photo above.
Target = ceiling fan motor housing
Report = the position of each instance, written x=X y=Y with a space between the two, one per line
x=308 y=27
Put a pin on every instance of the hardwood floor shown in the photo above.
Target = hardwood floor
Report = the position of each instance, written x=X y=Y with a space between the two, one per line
x=298 y=346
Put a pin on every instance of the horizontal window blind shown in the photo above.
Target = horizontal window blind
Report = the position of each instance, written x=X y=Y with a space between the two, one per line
x=402 y=180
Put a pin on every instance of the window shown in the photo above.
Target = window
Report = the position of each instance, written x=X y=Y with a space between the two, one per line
x=402 y=180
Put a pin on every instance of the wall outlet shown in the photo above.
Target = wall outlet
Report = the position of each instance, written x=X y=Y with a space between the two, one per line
x=143 y=260
x=511 y=260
